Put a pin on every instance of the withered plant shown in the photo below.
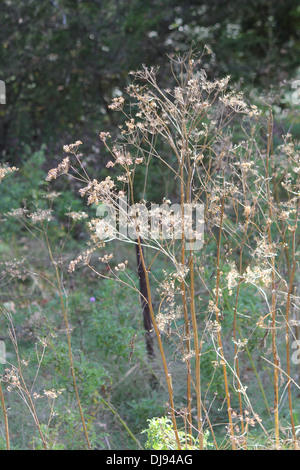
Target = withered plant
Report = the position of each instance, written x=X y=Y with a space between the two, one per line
x=214 y=151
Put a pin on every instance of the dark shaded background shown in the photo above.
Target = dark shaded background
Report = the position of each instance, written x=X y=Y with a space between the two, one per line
x=63 y=60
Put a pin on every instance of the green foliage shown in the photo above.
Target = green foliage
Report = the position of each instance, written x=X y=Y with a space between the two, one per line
x=140 y=410
x=2 y=443
x=52 y=437
x=114 y=325
x=28 y=186
x=30 y=191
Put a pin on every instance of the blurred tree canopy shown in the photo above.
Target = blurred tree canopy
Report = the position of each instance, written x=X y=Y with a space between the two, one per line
x=63 y=60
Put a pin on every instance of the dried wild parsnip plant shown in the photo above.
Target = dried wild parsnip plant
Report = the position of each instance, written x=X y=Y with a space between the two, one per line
x=217 y=154
x=250 y=194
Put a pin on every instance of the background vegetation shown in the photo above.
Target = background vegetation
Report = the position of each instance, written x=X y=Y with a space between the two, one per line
x=63 y=62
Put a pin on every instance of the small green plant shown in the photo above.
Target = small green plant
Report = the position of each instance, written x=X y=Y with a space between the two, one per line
x=160 y=436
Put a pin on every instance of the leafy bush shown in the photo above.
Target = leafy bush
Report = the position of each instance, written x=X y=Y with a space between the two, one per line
x=160 y=436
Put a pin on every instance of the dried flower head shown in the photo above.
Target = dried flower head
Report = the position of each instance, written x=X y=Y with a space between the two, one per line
x=62 y=168
x=117 y=103
x=6 y=170
x=72 y=148
x=77 y=215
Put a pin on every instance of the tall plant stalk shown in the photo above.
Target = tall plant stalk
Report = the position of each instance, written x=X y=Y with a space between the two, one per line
x=287 y=321
x=273 y=300
x=161 y=348
x=5 y=418
x=219 y=336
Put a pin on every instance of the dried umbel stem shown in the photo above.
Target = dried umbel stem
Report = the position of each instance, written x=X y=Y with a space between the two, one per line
x=273 y=313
